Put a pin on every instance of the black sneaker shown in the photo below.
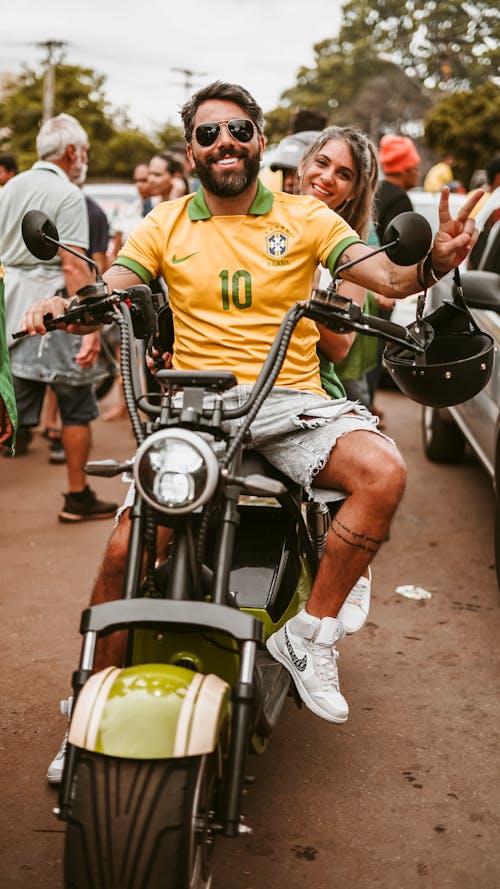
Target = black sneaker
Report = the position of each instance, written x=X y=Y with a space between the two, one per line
x=57 y=454
x=84 y=506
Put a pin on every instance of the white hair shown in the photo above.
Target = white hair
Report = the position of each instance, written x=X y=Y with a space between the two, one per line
x=56 y=134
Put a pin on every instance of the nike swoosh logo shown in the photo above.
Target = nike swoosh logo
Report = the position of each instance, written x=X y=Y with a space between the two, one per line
x=176 y=260
x=300 y=663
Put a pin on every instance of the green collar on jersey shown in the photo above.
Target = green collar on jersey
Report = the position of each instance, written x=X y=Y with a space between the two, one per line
x=262 y=203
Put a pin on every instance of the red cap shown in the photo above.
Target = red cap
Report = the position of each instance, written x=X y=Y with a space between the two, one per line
x=397 y=153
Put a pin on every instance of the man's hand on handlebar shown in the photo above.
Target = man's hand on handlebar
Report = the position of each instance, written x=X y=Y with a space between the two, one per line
x=155 y=361
x=34 y=320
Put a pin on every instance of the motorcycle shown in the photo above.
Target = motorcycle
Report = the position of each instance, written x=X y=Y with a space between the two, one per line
x=157 y=754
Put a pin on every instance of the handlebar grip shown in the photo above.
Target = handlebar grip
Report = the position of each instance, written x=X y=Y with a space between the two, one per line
x=49 y=322
x=385 y=326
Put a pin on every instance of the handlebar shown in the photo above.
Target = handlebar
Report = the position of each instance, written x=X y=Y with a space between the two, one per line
x=342 y=315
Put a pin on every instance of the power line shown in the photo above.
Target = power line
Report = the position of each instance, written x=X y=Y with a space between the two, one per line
x=189 y=77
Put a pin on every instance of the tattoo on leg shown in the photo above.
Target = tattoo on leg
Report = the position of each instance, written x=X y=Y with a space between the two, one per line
x=356 y=540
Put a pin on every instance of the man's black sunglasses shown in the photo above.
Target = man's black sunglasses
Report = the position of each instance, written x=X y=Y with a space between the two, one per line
x=240 y=129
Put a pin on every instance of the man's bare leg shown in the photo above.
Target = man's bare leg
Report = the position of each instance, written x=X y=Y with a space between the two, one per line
x=110 y=650
x=373 y=471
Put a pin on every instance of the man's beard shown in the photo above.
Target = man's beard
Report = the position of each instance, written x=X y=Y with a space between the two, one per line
x=224 y=184
x=78 y=173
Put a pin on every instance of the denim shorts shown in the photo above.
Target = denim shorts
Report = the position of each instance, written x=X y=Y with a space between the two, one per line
x=297 y=430
x=77 y=404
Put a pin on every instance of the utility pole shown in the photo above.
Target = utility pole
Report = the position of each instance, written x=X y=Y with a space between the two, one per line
x=49 y=80
x=188 y=79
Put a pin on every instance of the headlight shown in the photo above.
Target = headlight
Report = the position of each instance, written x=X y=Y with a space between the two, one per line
x=176 y=471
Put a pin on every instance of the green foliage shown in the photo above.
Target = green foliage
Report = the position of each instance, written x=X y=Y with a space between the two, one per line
x=168 y=135
x=436 y=41
x=116 y=148
x=119 y=156
x=467 y=125
x=393 y=59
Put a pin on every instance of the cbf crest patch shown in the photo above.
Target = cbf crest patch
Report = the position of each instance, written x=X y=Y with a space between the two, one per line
x=277 y=245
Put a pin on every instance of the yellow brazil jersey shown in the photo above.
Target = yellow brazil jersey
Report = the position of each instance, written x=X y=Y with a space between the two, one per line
x=231 y=279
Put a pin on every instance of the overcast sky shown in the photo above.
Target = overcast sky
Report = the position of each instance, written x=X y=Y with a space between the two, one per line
x=258 y=43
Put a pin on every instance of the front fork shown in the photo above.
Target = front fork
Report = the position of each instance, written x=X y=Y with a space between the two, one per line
x=243 y=696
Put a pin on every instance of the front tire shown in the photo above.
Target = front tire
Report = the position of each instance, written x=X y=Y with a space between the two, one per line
x=136 y=824
x=443 y=441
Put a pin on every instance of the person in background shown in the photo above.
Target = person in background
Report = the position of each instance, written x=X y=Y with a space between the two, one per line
x=50 y=186
x=304 y=125
x=131 y=215
x=8 y=407
x=287 y=155
x=489 y=211
x=400 y=163
x=8 y=168
x=440 y=174
x=307 y=118
x=141 y=182
x=166 y=177
x=178 y=149
x=97 y=251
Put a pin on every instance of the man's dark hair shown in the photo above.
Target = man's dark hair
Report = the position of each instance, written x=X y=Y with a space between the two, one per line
x=9 y=162
x=493 y=169
x=307 y=119
x=228 y=92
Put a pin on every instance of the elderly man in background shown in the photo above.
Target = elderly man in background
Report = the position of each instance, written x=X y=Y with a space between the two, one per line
x=63 y=364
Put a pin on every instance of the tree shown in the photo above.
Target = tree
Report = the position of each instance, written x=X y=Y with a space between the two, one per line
x=392 y=59
x=466 y=125
x=441 y=43
x=122 y=153
x=169 y=134
x=78 y=91
x=116 y=147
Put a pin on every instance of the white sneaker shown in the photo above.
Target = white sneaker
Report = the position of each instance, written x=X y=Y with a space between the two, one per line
x=305 y=646
x=55 y=770
x=354 y=611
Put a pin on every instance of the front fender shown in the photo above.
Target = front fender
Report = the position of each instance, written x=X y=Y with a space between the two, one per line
x=150 y=711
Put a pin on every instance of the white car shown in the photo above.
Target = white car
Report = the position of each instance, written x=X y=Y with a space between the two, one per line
x=427 y=204
x=476 y=422
x=113 y=197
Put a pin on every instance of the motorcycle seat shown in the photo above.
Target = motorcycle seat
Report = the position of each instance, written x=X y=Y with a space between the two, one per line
x=256 y=463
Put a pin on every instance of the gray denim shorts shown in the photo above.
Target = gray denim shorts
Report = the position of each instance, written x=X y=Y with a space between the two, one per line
x=77 y=404
x=297 y=430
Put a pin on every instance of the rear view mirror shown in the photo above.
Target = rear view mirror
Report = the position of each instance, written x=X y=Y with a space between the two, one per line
x=40 y=234
x=413 y=235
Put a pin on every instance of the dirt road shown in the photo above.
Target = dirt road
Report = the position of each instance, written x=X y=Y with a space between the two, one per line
x=405 y=795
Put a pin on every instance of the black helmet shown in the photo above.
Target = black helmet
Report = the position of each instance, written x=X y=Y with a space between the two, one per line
x=456 y=363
